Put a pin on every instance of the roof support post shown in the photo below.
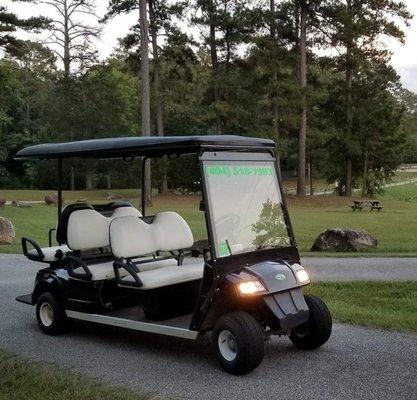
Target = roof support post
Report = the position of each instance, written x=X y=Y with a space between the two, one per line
x=144 y=188
x=59 y=188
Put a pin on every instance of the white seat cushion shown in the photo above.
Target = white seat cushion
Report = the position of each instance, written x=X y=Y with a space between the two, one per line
x=105 y=270
x=102 y=271
x=50 y=252
x=169 y=275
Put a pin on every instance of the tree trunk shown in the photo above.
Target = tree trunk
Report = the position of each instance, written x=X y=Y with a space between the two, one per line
x=157 y=88
x=301 y=182
x=66 y=58
x=214 y=61
x=310 y=178
x=89 y=185
x=274 y=94
x=365 y=172
x=348 y=128
x=108 y=181
x=145 y=91
x=72 y=178
x=348 y=185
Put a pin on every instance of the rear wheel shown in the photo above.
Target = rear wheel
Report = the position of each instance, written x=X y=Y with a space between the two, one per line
x=317 y=330
x=238 y=342
x=51 y=315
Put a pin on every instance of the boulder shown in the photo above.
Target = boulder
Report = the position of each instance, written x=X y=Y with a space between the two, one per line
x=114 y=196
x=20 y=204
x=2 y=202
x=7 y=233
x=344 y=240
x=51 y=199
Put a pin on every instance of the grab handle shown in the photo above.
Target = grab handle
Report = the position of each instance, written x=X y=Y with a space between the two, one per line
x=39 y=256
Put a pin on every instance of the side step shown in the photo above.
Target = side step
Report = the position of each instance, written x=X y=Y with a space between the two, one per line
x=25 y=298
x=134 y=325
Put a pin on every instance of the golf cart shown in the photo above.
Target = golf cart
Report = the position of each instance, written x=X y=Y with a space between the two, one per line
x=116 y=265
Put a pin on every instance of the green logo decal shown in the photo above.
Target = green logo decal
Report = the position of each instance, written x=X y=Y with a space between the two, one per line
x=280 y=277
x=223 y=248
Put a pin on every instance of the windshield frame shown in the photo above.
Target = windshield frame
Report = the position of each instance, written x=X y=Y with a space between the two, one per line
x=229 y=156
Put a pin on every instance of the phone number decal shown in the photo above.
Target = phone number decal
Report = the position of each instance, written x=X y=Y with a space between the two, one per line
x=226 y=170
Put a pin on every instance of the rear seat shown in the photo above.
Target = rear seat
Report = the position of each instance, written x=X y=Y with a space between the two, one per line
x=55 y=253
x=131 y=237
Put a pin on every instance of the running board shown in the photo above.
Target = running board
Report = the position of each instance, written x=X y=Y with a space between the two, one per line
x=134 y=325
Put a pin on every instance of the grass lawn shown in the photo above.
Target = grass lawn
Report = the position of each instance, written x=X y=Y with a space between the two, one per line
x=25 y=380
x=395 y=227
x=388 y=305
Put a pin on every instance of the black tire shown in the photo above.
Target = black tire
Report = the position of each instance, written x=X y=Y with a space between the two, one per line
x=317 y=330
x=56 y=322
x=247 y=338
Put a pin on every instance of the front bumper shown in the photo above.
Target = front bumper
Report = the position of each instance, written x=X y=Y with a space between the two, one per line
x=288 y=309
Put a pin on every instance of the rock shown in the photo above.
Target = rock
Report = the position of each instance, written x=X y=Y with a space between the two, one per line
x=114 y=196
x=20 y=204
x=2 y=202
x=7 y=233
x=344 y=240
x=51 y=199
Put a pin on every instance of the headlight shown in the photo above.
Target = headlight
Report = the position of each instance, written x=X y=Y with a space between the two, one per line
x=250 y=287
x=302 y=276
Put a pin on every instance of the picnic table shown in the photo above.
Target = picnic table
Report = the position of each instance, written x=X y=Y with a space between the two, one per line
x=375 y=205
x=358 y=205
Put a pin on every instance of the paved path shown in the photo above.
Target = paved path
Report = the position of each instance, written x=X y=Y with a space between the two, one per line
x=357 y=363
x=346 y=269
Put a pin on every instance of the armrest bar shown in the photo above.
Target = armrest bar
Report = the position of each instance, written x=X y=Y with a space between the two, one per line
x=34 y=257
x=117 y=265
x=76 y=263
x=50 y=236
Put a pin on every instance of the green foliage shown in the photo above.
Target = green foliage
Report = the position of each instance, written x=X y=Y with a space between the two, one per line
x=270 y=229
x=28 y=380
x=243 y=80
x=388 y=305
x=10 y=23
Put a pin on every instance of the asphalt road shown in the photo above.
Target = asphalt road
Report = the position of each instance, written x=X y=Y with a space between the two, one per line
x=356 y=363
x=358 y=268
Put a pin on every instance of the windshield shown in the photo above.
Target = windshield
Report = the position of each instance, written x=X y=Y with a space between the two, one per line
x=245 y=206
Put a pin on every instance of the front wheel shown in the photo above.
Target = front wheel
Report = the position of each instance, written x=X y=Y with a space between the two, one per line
x=51 y=316
x=238 y=342
x=317 y=330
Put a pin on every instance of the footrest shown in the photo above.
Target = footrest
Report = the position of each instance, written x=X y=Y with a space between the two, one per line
x=25 y=298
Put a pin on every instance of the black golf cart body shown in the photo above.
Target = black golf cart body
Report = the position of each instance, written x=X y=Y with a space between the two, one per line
x=191 y=306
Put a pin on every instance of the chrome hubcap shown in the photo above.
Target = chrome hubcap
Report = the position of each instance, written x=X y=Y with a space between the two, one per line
x=46 y=314
x=227 y=345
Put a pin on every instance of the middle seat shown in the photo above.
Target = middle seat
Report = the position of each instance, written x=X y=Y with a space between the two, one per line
x=131 y=238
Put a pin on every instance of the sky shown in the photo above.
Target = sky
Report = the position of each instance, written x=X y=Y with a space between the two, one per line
x=403 y=55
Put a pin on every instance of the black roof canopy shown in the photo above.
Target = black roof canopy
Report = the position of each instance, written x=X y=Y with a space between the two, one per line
x=121 y=147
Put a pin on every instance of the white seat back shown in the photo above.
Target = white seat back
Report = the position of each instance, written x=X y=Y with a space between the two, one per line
x=126 y=211
x=132 y=237
x=87 y=229
x=171 y=231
